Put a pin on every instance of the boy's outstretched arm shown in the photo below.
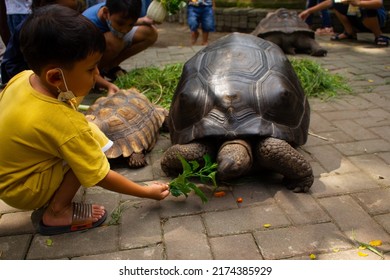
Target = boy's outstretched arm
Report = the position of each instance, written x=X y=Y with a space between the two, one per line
x=118 y=183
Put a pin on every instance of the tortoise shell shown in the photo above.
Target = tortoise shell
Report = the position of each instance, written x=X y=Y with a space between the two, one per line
x=239 y=86
x=282 y=21
x=128 y=119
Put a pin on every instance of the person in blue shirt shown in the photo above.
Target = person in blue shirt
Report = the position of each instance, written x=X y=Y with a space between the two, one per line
x=200 y=13
x=126 y=33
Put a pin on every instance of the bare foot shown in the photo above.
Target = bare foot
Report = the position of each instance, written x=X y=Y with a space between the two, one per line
x=64 y=217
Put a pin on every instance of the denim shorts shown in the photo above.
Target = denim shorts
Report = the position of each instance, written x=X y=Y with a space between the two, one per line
x=201 y=16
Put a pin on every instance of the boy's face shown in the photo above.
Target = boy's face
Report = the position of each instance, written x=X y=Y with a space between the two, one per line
x=82 y=77
x=120 y=23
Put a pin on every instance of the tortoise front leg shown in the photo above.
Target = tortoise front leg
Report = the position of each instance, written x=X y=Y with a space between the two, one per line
x=279 y=156
x=171 y=164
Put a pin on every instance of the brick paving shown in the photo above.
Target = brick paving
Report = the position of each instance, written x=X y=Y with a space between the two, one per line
x=349 y=150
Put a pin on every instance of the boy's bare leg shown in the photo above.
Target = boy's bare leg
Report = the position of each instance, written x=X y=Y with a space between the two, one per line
x=372 y=24
x=205 y=38
x=346 y=24
x=60 y=211
x=194 y=37
x=116 y=53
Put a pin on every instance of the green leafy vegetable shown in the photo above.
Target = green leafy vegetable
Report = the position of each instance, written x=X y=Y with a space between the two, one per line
x=317 y=81
x=173 y=6
x=182 y=186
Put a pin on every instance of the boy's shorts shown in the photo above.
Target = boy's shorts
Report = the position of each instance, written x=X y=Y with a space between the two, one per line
x=128 y=38
x=200 y=15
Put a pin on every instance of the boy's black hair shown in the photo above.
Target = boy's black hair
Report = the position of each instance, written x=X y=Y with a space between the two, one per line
x=128 y=8
x=39 y=3
x=59 y=35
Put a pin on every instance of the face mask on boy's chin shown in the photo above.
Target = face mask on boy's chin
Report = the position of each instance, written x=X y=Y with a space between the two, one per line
x=115 y=32
x=68 y=96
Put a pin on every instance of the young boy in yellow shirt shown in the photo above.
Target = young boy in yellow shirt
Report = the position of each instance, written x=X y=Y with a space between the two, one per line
x=49 y=149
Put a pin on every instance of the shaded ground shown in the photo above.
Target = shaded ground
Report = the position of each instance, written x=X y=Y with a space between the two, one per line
x=175 y=34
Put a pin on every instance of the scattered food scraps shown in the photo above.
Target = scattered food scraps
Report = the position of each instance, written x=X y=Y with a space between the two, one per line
x=219 y=194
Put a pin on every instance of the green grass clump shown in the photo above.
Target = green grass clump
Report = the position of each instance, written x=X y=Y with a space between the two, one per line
x=318 y=81
x=157 y=84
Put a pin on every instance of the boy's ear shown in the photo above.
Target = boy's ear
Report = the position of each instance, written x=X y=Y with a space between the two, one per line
x=105 y=12
x=54 y=77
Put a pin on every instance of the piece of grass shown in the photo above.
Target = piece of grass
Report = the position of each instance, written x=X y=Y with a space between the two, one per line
x=367 y=246
x=318 y=81
x=117 y=214
x=157 y=84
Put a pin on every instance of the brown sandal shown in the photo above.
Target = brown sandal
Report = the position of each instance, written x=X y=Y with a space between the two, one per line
x=81 y=220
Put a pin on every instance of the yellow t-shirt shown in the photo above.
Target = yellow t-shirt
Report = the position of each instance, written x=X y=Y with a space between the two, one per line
x=41 y=138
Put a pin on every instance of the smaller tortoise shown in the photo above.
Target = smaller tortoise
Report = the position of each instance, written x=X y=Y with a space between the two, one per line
x=285 y=29
x=131 y=121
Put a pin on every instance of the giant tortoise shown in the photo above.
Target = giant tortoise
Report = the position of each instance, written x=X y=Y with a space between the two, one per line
x=284 y=28
x=131 y=121
x=240 y=101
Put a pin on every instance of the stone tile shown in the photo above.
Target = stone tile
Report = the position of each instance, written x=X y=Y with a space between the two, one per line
x=382 y=131
x=185 y=239
x=356 y=131
x=140 y=225
x=320 y=124
x=303 y=240
x=363 y=147
x=374 y=167
x=345 y=115
x=353 y=220
x=342 y=184
x=244 y=219
x=301 y=208
x=137 y=175
x=385 y=156
x=147 y=253
x=91 y=242
x=318 y=105
x=253 y=193
x=376 y=201
x=16 y=223
x=331 y=159
x=235 y=247
x=373 y=121
x=14 y=247
x=384 y=220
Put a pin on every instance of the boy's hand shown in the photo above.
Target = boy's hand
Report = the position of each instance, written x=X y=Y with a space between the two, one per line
x=158 y=190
